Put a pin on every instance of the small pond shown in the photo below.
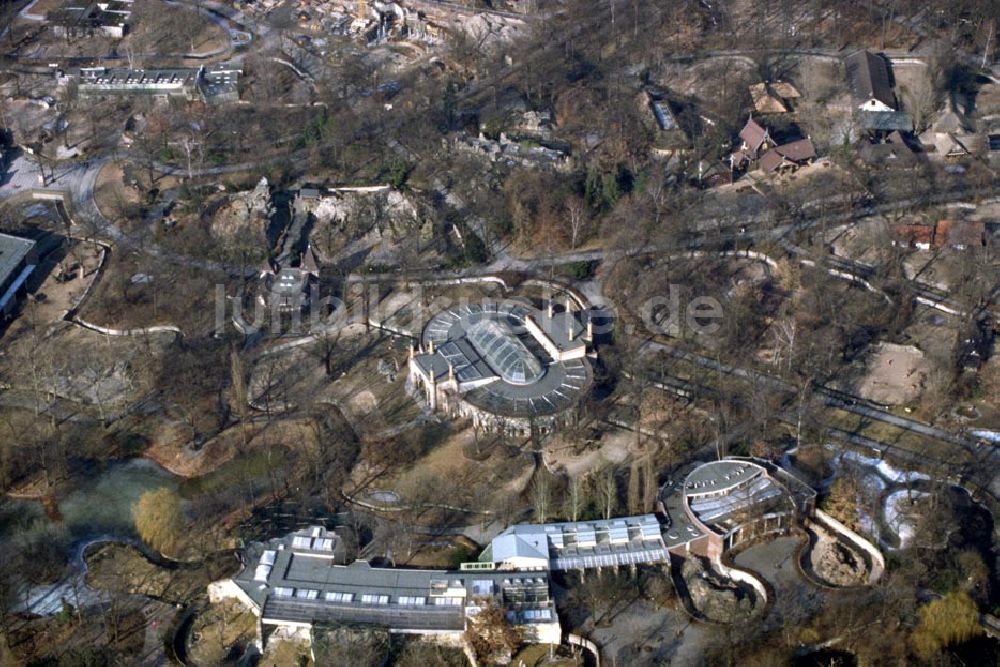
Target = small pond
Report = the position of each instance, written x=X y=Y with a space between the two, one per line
x=99 y=508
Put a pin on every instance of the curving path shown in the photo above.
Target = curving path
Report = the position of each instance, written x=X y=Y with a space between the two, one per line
x=233 y=23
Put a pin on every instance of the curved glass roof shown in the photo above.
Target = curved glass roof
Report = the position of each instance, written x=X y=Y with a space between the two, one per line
x=504 y=352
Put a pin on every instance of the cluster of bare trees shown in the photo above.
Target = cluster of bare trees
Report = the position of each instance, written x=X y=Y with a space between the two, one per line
x=595 y=494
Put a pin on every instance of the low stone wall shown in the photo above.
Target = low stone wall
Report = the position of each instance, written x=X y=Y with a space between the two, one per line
x=108 y=331
x=760 y=588
x=745 y=577
x=558 y=286
x=43 y=194
x=937 y=305
x=101 y=264
x=583 y=642
x=226 y=589
x=877 y=559
x=802 y=565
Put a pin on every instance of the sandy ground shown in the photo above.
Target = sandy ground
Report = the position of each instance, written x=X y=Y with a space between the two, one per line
x=446 y=461
x=30 y=116
x=859 y=241
x=280 y=651
x=85 y=366
x=821 y=168
x=218 y=628
x=43 y=7
x=942 y=269
x=170 y=444
x=614 y=447
x=701 y=79
x=895 y=375
x=913 y=86
x=53 y=298
x=110 y=190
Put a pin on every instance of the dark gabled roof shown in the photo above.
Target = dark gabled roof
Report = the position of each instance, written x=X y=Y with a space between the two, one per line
x=771 y=161
x=739 y=156
x=753 y=134
x=889 y=154
x=797 y=151
x=868 y=76
x=66 y=16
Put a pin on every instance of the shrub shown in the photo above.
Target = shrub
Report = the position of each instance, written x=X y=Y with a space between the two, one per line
x=159 y=520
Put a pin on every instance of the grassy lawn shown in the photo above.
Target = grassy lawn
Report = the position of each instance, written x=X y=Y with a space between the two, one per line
x=246 y=470
x=892 y=435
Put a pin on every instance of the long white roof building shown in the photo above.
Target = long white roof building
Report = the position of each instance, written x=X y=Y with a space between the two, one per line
x=579 y=545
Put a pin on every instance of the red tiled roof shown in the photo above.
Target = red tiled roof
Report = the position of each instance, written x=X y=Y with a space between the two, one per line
x=912 y=234
x=942 y=230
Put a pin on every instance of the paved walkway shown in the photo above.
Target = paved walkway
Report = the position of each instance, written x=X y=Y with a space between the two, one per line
x=794 y=597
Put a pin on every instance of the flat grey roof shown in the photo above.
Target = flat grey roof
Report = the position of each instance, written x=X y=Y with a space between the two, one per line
x=461 y=356
x=13 y=250
x=560 y=387
x=886 y=121
x=718 y=476
x=440 y=619
x=122 y=76
x=304 y=584
x=680 y=529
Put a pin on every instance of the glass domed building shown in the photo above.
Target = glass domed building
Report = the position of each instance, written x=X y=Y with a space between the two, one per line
x=506 y=365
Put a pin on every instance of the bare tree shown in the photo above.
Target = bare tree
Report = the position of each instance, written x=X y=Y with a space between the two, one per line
x=649 y=486
x=607 y=490
x=635 y=488
x=237 y=371
x=541 y=495
x=575 y=497
x=576 y=217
